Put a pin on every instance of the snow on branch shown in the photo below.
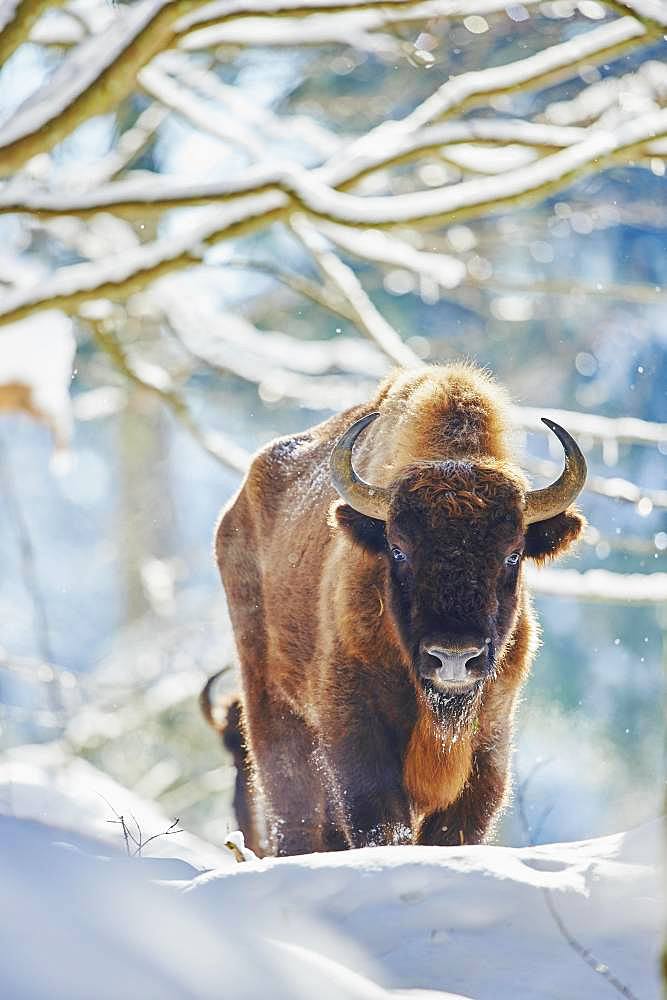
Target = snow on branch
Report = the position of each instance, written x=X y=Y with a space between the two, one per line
x=475 y=197
x=600 y=585
x=628 y=430
x=358 y=28
x=306 y=189
x=651 y=13
x=92 y=80
x=544 y=68
x=380 y=248
x=17 y=18
x=102 y=70
x=174 y=96
x=221 y=11
x=119 y=275
x=281 y=366
x=645 y=89
x=398 y=147
x=368 y=319
x=275 y=193
x=217 y=336
x=257 y=119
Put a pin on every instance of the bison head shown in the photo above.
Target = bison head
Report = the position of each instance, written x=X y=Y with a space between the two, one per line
x=454 y=534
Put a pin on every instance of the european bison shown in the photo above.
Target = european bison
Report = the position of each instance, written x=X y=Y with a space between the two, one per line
x=384 y=630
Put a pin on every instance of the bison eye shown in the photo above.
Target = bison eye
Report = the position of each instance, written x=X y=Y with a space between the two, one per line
x=512 y=559
x=398 y=554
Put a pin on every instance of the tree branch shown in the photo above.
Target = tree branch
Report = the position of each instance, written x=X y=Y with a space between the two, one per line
x=600 y=585
x=306 y=189
x=17 y=18
x=94 y=78
x=215 y=444
x=366 y=317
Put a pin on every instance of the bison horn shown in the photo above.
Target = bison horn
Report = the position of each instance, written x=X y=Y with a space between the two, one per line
x=370 y=500
x=554 y=499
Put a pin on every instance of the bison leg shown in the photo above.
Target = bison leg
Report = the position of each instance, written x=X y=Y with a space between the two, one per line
x=470 y=818
x=287 y=769
x=368 y=778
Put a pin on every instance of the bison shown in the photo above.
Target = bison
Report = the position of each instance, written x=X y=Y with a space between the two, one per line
x=381 y=618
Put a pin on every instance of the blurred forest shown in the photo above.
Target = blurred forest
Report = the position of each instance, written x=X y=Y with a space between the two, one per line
x=220 y=222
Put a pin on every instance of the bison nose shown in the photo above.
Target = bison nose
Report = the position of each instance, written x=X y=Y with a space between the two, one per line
x=454 y=661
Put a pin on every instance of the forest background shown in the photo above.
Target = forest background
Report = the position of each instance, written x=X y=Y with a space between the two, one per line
x=221 y=222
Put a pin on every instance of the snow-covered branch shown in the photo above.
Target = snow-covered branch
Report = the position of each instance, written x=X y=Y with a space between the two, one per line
x=119 y=275
x=651 y=13
x=628 y=430
x=399 y=147
x=613 y=487
x=600 y=585
x=381 y=248
x=545 y=68
x=92 y=80
x=478 y=196
x=368 y=319
x=157 y=382
x=306 y=189
x=174 y=96
x=102 y=71
x=17 y=18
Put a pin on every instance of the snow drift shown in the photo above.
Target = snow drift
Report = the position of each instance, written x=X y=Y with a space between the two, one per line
x=83 y=920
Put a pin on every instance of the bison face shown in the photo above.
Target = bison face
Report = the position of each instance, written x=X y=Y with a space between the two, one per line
x=454 y=535
x=454 y=542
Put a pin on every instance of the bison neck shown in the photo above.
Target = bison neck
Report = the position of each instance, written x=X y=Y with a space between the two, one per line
x=438 y=759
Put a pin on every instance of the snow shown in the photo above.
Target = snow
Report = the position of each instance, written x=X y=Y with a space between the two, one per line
x=468 y=922
x=600 y=585
x=40 y=390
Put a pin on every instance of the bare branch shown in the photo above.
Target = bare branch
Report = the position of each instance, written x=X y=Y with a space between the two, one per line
x=625 y=292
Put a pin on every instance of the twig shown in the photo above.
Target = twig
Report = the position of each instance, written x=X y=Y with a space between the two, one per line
x=138 y=839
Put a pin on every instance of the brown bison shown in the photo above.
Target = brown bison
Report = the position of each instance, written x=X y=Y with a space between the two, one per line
x=384 y=630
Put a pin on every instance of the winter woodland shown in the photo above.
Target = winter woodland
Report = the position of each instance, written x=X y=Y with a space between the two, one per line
x=222 y=222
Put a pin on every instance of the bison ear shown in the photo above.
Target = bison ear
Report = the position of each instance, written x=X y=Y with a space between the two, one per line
x=368 y=532
x=547 y=539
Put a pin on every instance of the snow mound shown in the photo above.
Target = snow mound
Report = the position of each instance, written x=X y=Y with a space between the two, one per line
x=469 y=922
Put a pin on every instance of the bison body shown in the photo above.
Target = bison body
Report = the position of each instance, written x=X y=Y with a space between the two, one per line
x=383 y=641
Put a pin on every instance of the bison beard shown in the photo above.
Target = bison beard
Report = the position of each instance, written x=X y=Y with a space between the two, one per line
x=384 y=630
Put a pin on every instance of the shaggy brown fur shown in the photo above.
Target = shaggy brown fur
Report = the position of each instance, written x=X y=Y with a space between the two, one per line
x=349 y=743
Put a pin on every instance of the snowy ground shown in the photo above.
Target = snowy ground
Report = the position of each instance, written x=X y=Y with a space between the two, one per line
x=82 y=920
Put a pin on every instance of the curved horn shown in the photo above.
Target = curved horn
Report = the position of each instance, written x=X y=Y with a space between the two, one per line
x=372 y=501
x=554 y=499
